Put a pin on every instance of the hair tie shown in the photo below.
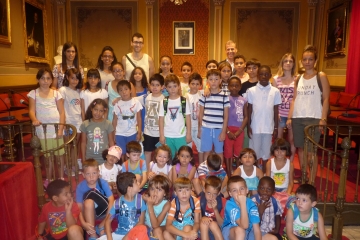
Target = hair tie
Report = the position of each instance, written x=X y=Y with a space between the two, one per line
x=94 y=103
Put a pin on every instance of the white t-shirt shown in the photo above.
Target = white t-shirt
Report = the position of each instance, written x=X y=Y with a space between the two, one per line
x=72 y=106
x=184 y=88
x=109 y=175
x=174 y=122
x=104 y=76
x=194 y=108
x=154 y=168
x=263 y=100
x=152 y=108
x=126 y=116
x=91 y=96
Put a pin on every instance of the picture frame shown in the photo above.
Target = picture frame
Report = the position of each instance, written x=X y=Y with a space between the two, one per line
x=35 y=32
x=336 y=31
x=5 y=26
x=184 y=38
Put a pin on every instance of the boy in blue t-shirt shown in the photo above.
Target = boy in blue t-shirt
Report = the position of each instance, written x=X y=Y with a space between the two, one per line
x=129 y=209
x=241 y=219
x=93 y=196
x=135 y=164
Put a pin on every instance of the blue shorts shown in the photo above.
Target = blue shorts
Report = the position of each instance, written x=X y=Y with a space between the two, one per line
x=226 y=233
x=210 y=136
x=282 y=122
x=121 y=141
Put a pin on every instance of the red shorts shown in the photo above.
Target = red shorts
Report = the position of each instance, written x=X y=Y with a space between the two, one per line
x=233 y=147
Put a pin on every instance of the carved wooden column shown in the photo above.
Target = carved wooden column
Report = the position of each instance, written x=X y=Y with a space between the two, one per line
x=218 y=28
x=150 y=27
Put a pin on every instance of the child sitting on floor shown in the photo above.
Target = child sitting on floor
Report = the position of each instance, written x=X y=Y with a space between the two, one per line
x=184 y=216
x=60 y=215
x=129 y=209
x=212 y=209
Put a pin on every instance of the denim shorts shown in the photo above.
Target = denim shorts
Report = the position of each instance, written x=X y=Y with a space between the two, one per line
x=282 y=122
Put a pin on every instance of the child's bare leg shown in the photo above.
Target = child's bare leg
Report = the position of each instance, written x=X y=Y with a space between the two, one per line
x=215 y=229
x=237 y=160
x=201 y=157
x=222 y=157
x=61 y=169
x=148 y=159
x=237 y=233
x=204 y=231
x=197 y=185
x=75 y=232
x=228 y=166
x=89 y=213
x=264 y=165
x=158 y=233
x=168 y=236
x=206 y=154
x=269 y=236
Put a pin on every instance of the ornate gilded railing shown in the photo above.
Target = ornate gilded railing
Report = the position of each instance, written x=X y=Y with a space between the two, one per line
x=324 y=165
x=14 y=149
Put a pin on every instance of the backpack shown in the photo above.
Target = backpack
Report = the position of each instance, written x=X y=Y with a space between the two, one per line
x=273 y=201
x=126 y=165
x=296 y=213
x=319 y=85
x=203 y=203
x=138 y=201
x=183 y=106
x=177 y=211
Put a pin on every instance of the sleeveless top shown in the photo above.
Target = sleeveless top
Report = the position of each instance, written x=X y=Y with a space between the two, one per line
x=305 y=229
x=252 y=181
x=157 y=210
x=143 y=63
x=308 y=99
x=287 y=94
x=112 y=95
x=281 y=176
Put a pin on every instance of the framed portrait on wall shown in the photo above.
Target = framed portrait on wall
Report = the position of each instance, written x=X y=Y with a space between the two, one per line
x=5 y=29
x=184 y=38
x=35 y=32
x=336 y=31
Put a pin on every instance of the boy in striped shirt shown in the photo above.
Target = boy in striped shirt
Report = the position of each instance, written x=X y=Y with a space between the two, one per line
x=213 y=116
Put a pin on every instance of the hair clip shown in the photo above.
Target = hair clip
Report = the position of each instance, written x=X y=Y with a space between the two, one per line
x=94 y=103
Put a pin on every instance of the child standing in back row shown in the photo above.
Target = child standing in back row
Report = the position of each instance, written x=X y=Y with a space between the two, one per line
x=213 y=116
x=195 y=83
x=175 y=123
x=263 y=104
x=93 y=91
x=186 y=70
x=152 y=108
x=47 y=106
x=97 y=133
x=236 y=124
x=127 y=116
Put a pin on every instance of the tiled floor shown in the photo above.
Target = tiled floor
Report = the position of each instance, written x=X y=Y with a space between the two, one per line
x=351 y=232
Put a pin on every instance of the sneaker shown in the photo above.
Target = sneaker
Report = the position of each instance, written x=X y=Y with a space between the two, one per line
x=46 y=183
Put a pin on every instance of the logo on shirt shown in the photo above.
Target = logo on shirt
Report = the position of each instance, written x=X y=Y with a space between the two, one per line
x=152 y=116
x=75 y=101
x=173 y=112
x=57 y=222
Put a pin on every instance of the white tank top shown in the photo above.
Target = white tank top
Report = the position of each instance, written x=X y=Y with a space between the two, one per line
x=143 y=63
x=281 y=176
x=308 y=99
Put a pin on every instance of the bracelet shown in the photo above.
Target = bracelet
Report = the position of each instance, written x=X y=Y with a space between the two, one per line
x=324 y=119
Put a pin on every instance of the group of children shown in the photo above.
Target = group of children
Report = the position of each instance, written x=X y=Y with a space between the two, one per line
x=163 y=117
x=169 y=210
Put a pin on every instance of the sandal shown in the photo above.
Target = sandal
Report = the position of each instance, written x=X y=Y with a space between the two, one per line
x=99 y=230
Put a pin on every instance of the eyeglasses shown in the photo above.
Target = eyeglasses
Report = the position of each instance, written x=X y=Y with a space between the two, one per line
x=107 y=56
x=138 y=43
x=118 y=71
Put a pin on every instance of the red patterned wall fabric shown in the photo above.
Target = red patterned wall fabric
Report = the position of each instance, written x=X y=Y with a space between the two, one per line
x=192 y=10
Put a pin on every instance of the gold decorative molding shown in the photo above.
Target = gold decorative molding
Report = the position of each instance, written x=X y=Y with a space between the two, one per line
x=219 y=2
x=149 y=2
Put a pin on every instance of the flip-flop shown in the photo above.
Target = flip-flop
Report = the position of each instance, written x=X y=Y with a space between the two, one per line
x=99 y=229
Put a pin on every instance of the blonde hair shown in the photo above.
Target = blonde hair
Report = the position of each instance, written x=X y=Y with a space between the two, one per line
x=90 y=163
x=182 y=182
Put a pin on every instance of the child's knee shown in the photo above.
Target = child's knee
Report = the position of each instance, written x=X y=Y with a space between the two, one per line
x=269 y=236
x=238 y=233
x=187 y=228
x=157 y=232
x=75 y=232
x=89 y=203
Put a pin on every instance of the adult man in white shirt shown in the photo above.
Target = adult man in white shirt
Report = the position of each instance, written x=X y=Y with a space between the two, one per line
x=231 y=50
x=137 y=58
